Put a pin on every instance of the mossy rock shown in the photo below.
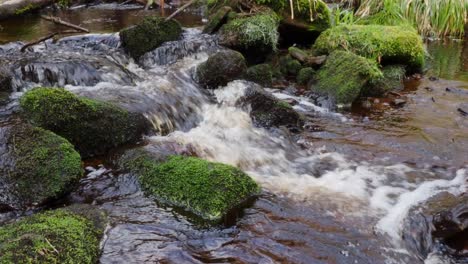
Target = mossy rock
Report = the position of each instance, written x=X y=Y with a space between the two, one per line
x=59 y=236
x=38 y=166
x=305 y=75
x=208 y=189
x=220 y=69
x=387 y=44
x=94 y=127
x=268 y=111
x=5 y=80
x=289 y=66
x=254 y=36
x=344 y=76
x=148 y=35
x=392 y=80
x=217 y=20
x=261 y=74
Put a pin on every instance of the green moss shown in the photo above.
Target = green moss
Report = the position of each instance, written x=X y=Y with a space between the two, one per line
x=261 y=74
x=94 y=127
x=207 y=189
x=345 y=74
x=26 y=9
x=305 y=75
x=220 y=69
x=284 y=105
x=46 y=165
x=217 y=20
x=392 y=79
x=258 y=31
x=289 y=66
x=388 y=44
x=58 y=236
x=148 y=35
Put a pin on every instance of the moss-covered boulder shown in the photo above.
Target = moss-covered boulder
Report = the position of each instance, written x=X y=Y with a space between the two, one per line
x=305 y=75
x=5 y=80
x=208 y=189
x=344 y=76
x=392 y=80
x=36 y=166
x=59 y=236
x=217 y=20
x=387 y=44
x=268 y=111
x=148 y=35
x=220 y=69
x=261 y=74
x=94 y=127
x=254 y=36
x=289 y=66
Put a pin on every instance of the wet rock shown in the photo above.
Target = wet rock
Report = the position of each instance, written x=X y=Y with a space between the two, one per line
x=255 y=36
x=94 y=127
x=392 y=80
x=389 y=44
x=217 y=20
x=5 y=80
x=440 y=225
x=221 y=68
x=289 y=66
x=458 y=91
x=305 y=75
x=399 y=102
x=463 y=109
x=261 y=74
x=148 y=35
x=433 y=78
x=58 y=236
x=210 y=190
x=36 y=166
x=268 y=111
x=345 y=75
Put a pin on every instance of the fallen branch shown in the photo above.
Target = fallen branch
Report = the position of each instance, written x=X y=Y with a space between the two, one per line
x=35 y=42
x=180 y=10
x=57 y=20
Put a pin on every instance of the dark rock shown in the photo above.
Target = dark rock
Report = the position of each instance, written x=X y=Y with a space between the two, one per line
x=217 y=20
x=94 y=127
x=433 y=78
x=289 y=66
x=261 y=74
x=220 y=69
x=148 y=35
x=5 y=80
x=267 y=111
x=36 y=166
x=457 y=91
x=305 y=75
x=392 y=80
x=463 y=109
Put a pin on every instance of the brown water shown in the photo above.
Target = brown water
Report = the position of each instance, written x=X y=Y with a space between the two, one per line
x=339 y=192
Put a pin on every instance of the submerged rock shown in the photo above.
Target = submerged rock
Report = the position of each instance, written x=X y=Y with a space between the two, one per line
x=463 y=109
x=255 y=36
x=36 y=166
x=439 y=225
x=267 y=111
x=94 y=127
x=388 y=44
x=69 y=235
x=208 y=189
x=261 y=74
x=345 y=75
x=148 y=35
x=221 y=68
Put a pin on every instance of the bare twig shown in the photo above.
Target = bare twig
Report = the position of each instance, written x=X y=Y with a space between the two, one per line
x=35 y=42
x=57 y=20
x=180 y=9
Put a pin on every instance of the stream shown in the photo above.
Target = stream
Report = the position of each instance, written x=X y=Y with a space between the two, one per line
x=341 y=191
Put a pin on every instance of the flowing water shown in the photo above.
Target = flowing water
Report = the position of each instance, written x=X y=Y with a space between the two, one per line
x=341 y=191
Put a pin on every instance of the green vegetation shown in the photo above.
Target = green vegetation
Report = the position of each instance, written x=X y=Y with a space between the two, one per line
x=386 y=44
x=25 y=9
x=430 y=17
x=205 y=188
x=46 y=165
x=289 y=66
x=392 y=79
x=94 y=127
x=261 y=74
x=148 y=35
x=256 y=32
x=58 y=236
x=345 y=74
x=305 y=75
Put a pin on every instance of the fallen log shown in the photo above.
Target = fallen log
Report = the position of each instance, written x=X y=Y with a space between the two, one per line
x=10 y=8
x=180 y=10
x=305 y=58
x=57 y=20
